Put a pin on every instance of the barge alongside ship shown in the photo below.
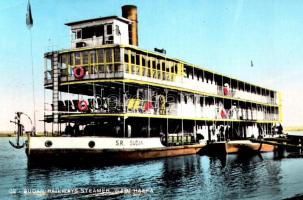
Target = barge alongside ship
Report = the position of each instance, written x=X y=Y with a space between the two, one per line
x=111 y=100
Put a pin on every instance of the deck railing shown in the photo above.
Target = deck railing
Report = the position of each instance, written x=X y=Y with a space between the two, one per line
x=177 y=110
x=107 y=63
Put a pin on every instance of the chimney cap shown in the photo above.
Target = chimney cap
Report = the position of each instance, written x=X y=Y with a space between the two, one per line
x=129 y=6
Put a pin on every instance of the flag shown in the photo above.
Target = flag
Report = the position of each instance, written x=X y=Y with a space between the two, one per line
x=29 y=18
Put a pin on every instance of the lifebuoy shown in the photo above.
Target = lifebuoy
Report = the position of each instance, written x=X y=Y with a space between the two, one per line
x=82 y=105
x=79 y=72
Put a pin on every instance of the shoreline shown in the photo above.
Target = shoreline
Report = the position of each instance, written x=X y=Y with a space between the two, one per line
x=12 y=134
x=7 y=134
x=293 y=129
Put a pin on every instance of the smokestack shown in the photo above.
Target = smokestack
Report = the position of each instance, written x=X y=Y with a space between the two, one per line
x=130 y=12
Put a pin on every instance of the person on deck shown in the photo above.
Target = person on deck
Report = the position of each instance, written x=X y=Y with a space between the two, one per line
x=76 y=129
x=226 y=89
x=260 y=130
x=279 y=129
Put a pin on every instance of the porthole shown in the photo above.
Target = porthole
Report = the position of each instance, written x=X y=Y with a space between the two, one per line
x=48 y=143
x=91 y=144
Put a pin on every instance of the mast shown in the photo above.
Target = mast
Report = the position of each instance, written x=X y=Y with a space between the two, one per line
x=29 y=24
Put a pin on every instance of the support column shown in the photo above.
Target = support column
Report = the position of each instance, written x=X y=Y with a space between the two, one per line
x=55 y=95
x=148 y=127
x=195 y=131
x=124 y=127
x=182 y=113
x=166 y=135
x=44 y=107
x=124 y=108
x=148 y=119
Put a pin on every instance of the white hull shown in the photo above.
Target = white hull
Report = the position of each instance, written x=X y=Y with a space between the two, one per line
x=101 y=143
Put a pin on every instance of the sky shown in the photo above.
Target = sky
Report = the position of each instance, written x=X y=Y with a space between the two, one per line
x=223 y=36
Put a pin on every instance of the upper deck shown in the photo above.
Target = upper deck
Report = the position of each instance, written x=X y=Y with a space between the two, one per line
x=128 y=63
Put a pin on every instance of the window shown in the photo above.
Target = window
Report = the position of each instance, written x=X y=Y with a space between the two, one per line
x=108 y=55
x=137 y=59
x=163 y=66
x=172 y=69
x=117 y=54
x=78 y=34
x=154 y=64
x=132 y=58
x=99 y=31
x=158 y=66
x=85 y=57
x=143 y=61
x=100 y=55
x=90 y=32
x=87 y=32
x=77 y=56
x=126 y=57
x=110 y=40
x=109 y=29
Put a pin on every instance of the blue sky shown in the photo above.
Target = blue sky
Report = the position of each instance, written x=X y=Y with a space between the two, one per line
x=220 y=35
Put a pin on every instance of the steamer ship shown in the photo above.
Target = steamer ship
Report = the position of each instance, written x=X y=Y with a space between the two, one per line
x=109 y=100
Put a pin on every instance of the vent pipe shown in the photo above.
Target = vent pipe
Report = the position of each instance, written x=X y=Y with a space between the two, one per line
x=130 y=12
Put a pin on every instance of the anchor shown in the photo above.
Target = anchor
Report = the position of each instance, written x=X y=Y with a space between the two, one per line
x=20 y=130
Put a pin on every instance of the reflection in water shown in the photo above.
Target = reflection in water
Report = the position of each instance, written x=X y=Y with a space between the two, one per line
x=180 y=173
x=193 y=177
x=245 y=176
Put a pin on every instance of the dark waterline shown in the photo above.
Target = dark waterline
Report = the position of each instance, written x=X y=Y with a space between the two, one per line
x=185 y=177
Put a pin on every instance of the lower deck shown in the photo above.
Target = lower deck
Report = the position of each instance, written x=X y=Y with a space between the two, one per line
x=173 y=132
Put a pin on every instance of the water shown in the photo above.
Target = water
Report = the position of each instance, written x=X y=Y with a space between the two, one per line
x=186 y=177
